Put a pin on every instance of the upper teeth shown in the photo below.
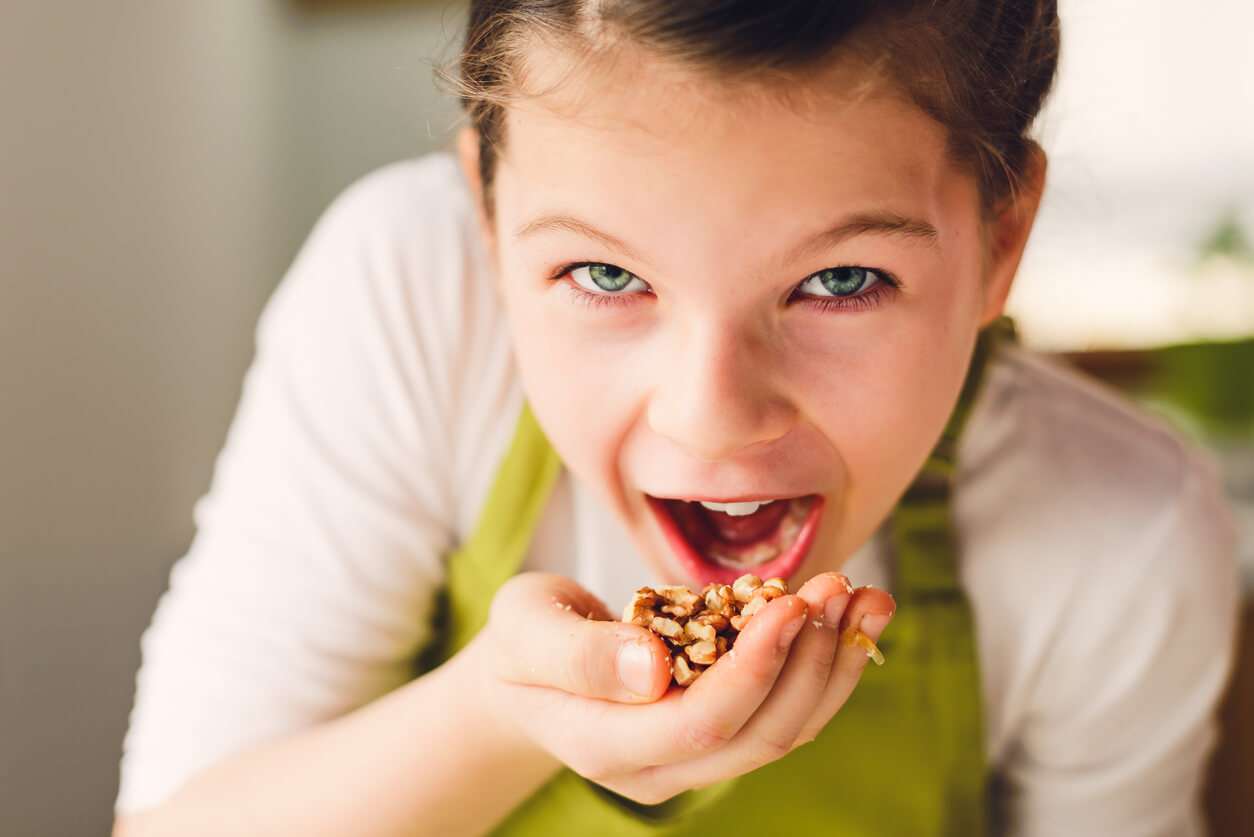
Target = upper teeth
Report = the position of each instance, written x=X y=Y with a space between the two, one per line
x=734 y=509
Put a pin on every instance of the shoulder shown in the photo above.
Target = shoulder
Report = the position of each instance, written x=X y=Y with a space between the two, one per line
x=1084 y=523
x=389 y=199
x=1055 y=455
x=403 y=231
x=394 y=288
x=1065 y=484
x=409 y=227
x=414 y=224
x=1067 y=426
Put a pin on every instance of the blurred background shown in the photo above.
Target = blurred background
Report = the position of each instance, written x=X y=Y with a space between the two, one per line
x=160 y=163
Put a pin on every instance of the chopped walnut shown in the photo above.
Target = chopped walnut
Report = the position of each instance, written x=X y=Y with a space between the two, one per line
x=699 y=629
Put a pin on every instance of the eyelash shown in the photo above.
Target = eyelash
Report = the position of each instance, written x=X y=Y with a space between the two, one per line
x=878 y=294
x=887 y=285
x=586 y=298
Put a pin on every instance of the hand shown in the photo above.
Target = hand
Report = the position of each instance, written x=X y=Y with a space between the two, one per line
x=596 y=694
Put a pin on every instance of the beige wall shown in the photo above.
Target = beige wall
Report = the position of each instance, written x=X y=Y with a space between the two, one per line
x=159 y=164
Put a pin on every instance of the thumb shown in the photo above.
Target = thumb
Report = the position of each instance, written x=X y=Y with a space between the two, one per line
x=549 y=631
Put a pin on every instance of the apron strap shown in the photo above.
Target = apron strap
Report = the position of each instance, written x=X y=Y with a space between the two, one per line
x=924 y=549
x=499 y=543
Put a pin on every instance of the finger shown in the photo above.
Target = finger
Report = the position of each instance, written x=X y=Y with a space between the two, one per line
x=866 y=607
x=869 y=611
x=685 y=723
x=546 y=632
x=773 y=728
x=801 y=685
x=718 y=705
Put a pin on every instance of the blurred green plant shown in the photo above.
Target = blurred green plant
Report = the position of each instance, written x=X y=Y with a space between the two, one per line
x=1227 y=240
x=1211 y=383
x=1208 y=387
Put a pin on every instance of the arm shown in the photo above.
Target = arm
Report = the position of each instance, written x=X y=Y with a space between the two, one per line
x=541 y=685
x=308 y=588
x=389 y=768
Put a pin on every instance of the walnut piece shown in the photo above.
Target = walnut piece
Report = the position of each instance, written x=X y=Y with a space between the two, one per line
x=698 y=629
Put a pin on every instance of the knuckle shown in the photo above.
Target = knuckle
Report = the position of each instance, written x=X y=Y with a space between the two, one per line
x=775 y=745
x=816 y=677
x=507 y=597
x=597 y=672
x=701 y=736
x=577 y=670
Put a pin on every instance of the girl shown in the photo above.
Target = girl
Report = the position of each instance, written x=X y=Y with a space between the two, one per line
x=712 y=288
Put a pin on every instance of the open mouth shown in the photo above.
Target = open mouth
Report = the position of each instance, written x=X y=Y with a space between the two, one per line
x=719 y=542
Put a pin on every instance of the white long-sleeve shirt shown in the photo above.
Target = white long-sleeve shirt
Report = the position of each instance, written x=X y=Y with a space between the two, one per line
x=1095 y=547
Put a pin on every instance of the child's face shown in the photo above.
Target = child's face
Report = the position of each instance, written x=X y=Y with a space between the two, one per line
x=701 y=352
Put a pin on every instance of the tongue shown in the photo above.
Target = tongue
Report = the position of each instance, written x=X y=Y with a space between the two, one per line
x=743 y=529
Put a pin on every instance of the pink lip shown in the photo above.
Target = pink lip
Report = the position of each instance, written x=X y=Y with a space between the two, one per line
x=706 y=572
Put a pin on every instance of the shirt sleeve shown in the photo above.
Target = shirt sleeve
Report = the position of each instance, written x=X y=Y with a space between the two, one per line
x=308 y=587
x=1117 y=734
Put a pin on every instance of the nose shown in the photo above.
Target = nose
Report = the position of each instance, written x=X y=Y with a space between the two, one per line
x=719 y=393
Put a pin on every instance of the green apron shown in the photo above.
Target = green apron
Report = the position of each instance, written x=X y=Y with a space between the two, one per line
x=904 y=755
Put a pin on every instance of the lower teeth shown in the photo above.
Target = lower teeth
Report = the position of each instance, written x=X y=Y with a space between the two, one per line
x=760 y=553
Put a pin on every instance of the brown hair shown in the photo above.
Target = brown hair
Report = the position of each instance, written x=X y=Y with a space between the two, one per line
x=980 y=68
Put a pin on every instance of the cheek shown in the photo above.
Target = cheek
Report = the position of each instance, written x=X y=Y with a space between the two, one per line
x=579 y=389
x=908 y=402
x=885 y=403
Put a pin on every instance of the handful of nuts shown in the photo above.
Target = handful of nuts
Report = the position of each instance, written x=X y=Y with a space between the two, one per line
x=700 y=628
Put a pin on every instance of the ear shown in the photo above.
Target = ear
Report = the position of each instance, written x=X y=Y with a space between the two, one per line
x=1008 y=235
x=468 y=157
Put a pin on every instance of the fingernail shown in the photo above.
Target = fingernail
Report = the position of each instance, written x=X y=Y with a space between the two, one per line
x=843 y=580
x=634 y=665
x=873 y=624
x=790 y=630
x=833 y=609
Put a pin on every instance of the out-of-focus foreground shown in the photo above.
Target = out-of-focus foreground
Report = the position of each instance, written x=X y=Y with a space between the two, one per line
x=161 y=162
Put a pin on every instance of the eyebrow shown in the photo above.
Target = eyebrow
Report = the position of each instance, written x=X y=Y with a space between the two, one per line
x=557 y=222
x=878 y=222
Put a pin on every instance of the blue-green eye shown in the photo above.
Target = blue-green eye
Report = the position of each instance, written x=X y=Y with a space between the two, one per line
x=839 y=281
x=606 y=279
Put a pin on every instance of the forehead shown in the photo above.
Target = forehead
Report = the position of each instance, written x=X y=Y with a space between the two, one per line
x=653 y=133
